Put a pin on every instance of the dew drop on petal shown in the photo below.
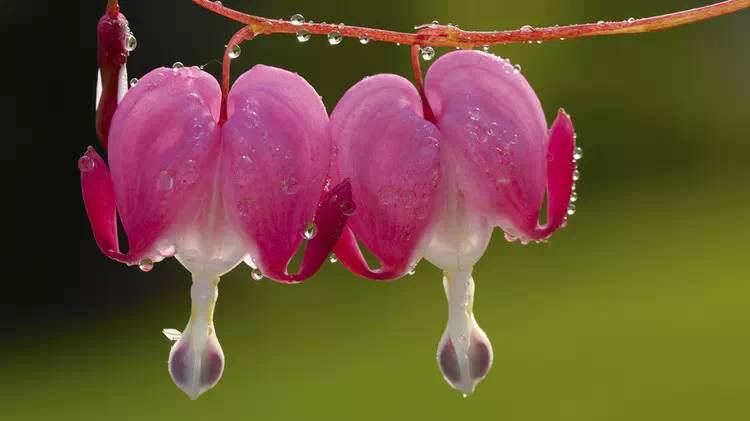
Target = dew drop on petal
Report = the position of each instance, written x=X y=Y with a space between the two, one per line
x=517 y=69
x=303 y=36
x=631 y=20
x=133 y=82
x=387 y=195
x=146 y=265
x=178 y=65
x=235 y=51
x=86 y=163
x=347 y=207
x=132 y=43
x=310 y=231
x=578 y=153
x=527 y=28
x=164 y=181
x=576 y=175
x=333 y=258
x=428 y=53
x=412 y=270
x=256 y=274
x=173 y=335
x=571 y=209
x=334 y=38
x=574 y=197
x=297 y=19
x=486 y=48
x=364 y=40
x=474 y=114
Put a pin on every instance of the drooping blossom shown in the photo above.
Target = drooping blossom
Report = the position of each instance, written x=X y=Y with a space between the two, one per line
x=215 y=193
x=432 y=179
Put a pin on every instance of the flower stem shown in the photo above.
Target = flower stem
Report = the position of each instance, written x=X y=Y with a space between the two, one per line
x=451 y=36
x=244 y=34
x=418 y=82
x=113 y=8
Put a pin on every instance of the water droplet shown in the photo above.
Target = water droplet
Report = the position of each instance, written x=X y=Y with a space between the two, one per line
x=387 y=195
x=132 y=43
x=133 y=82
x=574 y=197
x=173 y=335
x=291 y=185
x=334 y=38
x=578 y=153
x=310 y=231
x=601 y=22
x=303 y=36
x=333 y=258
x=576 y=175
x=509 y=238
x=474 y=114
x=412 y=270
x=167 y=251
x=164 y=181
x=256 y=274
x=517 y=69
x=539 y=41
x=86 y=163
x=428 y=53
x=297 y=19
x=486 y=48
x=235 y=51
x=571 y=209
x=146 y=265
x=435 y=23
x=187 y=172
x=347 y=207
x=178 y=65
x=364 y=40
x=527 y=28
x=631 y=20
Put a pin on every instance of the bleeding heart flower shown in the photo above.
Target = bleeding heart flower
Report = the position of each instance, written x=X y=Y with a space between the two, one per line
x=436 y=188
x=115 y=42
x=216 y=193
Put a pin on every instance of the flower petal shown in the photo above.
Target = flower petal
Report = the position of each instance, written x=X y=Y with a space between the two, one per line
x=495 y=135
x=275 y=162
x=163 y=153
x=560 y=168
x=112 y=35
x=391 y=155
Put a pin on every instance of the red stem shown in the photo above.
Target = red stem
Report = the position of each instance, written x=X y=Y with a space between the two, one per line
x=113 y=8
x=451 y=36
x=244 y=34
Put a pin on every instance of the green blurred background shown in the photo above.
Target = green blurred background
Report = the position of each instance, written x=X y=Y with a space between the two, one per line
x=637 y=311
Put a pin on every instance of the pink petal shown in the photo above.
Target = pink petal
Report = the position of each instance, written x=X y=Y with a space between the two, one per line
x=391 y=155
x=99 y=200
x=495 y=134
x=560 y=168
x=275 y=161
x=163 y=152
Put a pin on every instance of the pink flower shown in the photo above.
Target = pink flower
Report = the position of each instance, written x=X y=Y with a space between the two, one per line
x=215 y=193
x=435 y=187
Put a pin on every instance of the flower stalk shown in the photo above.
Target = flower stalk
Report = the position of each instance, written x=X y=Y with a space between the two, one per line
x=436 y=35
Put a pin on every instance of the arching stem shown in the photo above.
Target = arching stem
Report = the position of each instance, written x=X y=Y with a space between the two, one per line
x=244 y=34
x=416 y=67
x=451 y=36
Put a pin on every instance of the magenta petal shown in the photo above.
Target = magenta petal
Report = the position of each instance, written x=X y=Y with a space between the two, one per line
x=275 y=162
x=163 y=152
x=391 y=155
x=495 y=134
x=560 y=168
x=99 y=200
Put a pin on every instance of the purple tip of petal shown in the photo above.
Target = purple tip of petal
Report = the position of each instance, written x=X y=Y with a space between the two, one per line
x=560 y=168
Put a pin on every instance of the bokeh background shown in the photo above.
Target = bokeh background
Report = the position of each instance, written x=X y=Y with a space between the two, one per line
x=638 y=310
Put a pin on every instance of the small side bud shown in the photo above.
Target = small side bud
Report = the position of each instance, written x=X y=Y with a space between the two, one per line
x=114 y=45
x=196 y=361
